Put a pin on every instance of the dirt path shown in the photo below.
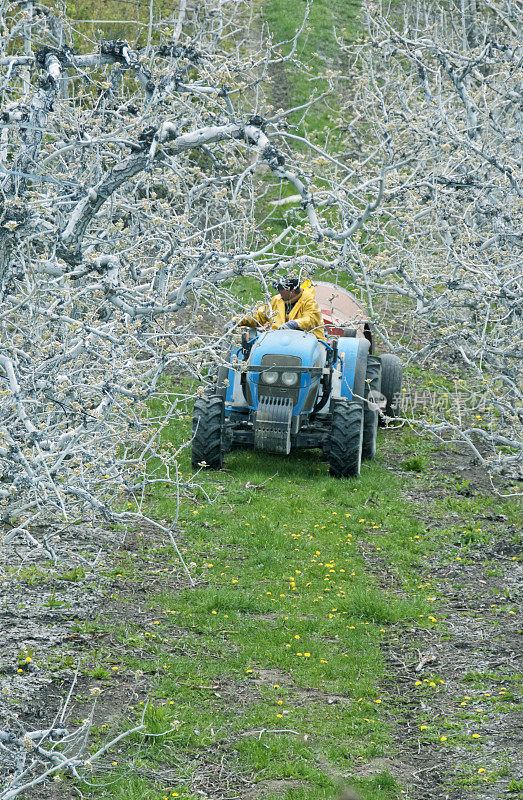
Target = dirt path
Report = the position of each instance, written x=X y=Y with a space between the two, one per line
x=476 y=708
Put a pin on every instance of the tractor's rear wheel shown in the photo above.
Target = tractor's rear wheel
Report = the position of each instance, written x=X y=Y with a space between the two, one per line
x=370 y=413
x=346 y=439
x=207 y=432
x=391 y=380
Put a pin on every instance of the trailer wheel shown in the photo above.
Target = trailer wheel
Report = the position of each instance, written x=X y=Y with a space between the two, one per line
x=346 y=439
x=391 y=379
x=370 y=413
x=207 y=432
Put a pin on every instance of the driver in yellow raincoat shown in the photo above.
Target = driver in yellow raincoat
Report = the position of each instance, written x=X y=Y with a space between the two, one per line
x=295 y=307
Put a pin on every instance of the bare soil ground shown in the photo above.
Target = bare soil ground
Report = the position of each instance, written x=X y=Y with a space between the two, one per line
x=46 y=610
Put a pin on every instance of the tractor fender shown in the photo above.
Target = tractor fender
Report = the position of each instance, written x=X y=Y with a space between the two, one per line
x=234 y=393
x=348 y=376
x=222 y=376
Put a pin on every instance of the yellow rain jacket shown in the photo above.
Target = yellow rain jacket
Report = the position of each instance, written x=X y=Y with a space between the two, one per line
x=305 y=311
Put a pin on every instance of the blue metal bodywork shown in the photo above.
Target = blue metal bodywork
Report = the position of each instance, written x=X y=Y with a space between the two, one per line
x=298 y=344
x=236 y=354
x=347 y=357
x=285 y=342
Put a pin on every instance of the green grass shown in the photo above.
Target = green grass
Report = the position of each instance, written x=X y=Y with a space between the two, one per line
x=272 y=666
x=119 y=19
x=317 y=48
x=293 y=84
x=516 y=788
x=286 y=615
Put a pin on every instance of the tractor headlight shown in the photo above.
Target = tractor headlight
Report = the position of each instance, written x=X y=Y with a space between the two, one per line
x=289 y=378
x=269 y=376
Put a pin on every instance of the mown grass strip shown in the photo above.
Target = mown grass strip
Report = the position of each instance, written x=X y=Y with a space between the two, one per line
x=271 y=669
x=317 y=48
x=273 y=663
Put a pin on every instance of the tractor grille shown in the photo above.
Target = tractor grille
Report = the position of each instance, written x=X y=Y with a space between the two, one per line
x=278 y=389
x=272 y=425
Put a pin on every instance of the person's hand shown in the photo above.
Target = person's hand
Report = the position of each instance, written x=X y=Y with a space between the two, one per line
x=292 y=325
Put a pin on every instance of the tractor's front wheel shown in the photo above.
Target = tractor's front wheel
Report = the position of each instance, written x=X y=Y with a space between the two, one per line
x=346 y=439
x=207 y=432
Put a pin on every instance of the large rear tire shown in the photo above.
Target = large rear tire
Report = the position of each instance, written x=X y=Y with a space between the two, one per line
x=346 y=439
x=370 y=413
x=207 y=432
x=391 y=380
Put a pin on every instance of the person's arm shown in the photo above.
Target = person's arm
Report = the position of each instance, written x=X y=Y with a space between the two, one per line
x=255 y=320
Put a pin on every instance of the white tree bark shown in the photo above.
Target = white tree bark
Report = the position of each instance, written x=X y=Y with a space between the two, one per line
x=125 y=200
x=447 y=99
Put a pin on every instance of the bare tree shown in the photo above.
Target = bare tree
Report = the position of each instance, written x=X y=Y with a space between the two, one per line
x=33 y=757
x=130 y=184
x=439 y=93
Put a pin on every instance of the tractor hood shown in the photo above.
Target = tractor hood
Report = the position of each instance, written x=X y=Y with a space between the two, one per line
x=300 y=344
x=292 y=352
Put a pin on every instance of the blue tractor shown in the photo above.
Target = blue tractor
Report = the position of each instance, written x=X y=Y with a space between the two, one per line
x=285 y=390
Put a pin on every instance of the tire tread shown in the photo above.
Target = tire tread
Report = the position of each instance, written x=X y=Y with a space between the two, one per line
x=207 y=429
x=346 y=440
x=391 y=380
x=370 y=417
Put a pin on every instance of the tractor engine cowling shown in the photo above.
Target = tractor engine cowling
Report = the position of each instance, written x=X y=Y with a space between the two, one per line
x=283 y=382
